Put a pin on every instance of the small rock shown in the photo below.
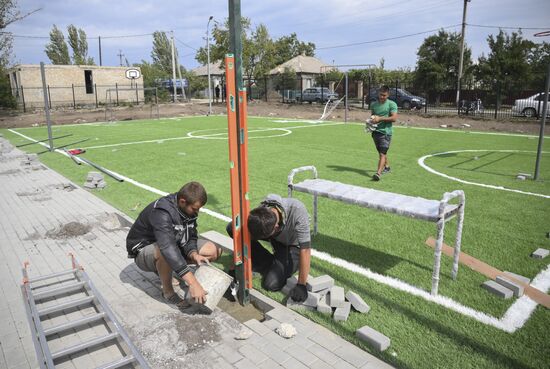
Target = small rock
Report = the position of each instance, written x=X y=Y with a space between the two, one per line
x=244 y=334
x=286 y=330
x=476 y=158
x=466 y=125
x=443 y=125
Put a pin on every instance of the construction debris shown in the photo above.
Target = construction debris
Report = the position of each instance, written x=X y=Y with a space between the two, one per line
x=95 y=180
x=286 y=330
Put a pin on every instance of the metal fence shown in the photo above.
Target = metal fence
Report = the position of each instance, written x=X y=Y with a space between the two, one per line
x=497 y=101
x=81 y=96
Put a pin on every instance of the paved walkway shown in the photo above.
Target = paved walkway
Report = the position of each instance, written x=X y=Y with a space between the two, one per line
x=45 y=216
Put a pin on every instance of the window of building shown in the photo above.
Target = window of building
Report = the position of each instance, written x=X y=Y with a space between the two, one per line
x=89 y=81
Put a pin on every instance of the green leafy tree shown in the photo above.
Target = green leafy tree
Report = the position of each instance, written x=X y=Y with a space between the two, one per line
x=79 y=44
x=539 y=59
x=288 y=47
x=57 y=50
x=162 y=52
x=286 y=80
x=507 y=65
x=438 y=59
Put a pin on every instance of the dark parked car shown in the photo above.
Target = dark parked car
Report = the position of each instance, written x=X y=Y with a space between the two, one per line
x=402 y=98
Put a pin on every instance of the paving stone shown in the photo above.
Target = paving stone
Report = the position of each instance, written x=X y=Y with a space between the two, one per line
x=252 y=353
x=353 y=355
x=498 y=289
x=323 y=305
x=342 y=313
x=275 y=353
x=291 y=304
x=373 y=337
x=219 y=239
x=357 y=302
x=257 y=327
x=520 y=278
x=245 y=364
x=515 y=287
x=540 y=253
x=228 y=353
x=269 y=364
x=293 y=363
x=323 y=354
x=337 y=298
x=271 y=324
x=320 y=283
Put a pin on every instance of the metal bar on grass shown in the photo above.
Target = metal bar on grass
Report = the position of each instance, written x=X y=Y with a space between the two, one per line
x=73 y=157
x=46 y=139
x=100 y=168
x=60 y=147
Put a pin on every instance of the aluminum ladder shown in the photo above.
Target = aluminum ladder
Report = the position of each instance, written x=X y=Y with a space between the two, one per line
x=80 y=282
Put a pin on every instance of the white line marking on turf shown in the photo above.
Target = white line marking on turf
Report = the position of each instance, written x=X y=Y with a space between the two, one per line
x=223 y=136
x=514 y=318
x=501 y=188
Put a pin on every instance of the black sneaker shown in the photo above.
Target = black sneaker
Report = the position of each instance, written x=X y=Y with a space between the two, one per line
x=376 y=177
x=386 y=170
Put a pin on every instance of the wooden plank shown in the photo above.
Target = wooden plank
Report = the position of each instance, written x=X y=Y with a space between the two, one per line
x=492 y=272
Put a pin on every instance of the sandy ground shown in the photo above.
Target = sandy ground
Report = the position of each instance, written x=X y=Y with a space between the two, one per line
x=261 y=108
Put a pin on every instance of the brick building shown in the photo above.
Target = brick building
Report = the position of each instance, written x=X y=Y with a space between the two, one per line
x=74 y=85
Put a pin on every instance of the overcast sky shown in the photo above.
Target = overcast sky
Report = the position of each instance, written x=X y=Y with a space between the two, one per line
x=327 y=23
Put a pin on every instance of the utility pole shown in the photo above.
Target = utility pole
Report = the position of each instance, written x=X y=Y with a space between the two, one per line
x=461 y=62
x=120 y=55
x=208 y=65
x=100 y=61
x=181 y=81
x=173 y=66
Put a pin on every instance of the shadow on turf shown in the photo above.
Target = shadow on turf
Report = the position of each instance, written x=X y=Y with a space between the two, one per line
x=375 y=260
x=362 y=172
x=460 y=338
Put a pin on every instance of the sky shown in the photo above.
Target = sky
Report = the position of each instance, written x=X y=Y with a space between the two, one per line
x=330 y=24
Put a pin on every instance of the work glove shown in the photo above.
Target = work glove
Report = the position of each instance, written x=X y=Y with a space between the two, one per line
x=299 y=293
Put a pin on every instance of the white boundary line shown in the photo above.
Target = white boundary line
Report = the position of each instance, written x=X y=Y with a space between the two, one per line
x=429 y=169
x=514 y=318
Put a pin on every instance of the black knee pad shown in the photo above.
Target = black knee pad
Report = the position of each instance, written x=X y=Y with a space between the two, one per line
x=274 y=279
x=229 y=229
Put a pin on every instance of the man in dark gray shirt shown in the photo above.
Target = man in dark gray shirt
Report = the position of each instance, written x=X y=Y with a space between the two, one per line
x=284 y=222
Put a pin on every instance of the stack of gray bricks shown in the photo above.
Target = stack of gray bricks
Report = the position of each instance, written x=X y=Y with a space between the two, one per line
x=327 y=298
x=507 y=285
x=95 y=180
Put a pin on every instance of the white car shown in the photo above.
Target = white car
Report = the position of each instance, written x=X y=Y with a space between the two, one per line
x=530 y=107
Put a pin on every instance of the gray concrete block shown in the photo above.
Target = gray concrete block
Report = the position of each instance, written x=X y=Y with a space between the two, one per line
x=540 y=253
x=219 y=239
x=320 y=283
x=94 y=176
x=515 y=287
x=290 y=283
x=291 y=304
x=520 y=278
x=342 y=313
x=373 y=338
x=498 y=289
x=323 y=305
x=337 y=298
x=257 y=327
x=357 y=302
x=311 y=301
x=89 y=184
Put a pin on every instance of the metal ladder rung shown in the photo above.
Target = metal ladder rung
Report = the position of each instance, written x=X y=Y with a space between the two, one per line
x=67 y=305
x=60 y=274
x=58 y=290
x=84 y=345
x=118 y=363
x=73 y=324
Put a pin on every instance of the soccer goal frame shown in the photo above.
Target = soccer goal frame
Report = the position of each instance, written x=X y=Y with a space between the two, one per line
x=331 y=105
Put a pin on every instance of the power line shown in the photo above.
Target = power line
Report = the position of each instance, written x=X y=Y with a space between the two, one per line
x=88 y=37
x=184 y=44
x=506 y=27
x=387 y=39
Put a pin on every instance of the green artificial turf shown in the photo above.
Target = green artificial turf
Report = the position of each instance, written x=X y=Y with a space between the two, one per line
x=501 y=228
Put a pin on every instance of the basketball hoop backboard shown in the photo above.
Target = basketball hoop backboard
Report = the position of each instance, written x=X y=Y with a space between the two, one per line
x=133 y=73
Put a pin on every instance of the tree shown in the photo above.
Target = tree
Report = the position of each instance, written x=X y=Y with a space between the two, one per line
x=79 y=44
x=507 y=65
x=288 y=47
x=539 y=59
x=438 y=59
x=162 y=52
x=57 y=50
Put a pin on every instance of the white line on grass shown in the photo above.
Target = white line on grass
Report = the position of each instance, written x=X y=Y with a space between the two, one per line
x=429 y=169
x=514 y=318
x=161 y=140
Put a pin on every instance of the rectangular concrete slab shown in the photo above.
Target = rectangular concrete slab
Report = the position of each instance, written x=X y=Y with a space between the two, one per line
x=342 y=313
x=357 y=302
x=373 y=338
x=320 y=283
x=219 y=239
x=540 y=253
x=498 y=289
x=515 y=287
x=337 y=298
x=520 y=278
x=323 y=305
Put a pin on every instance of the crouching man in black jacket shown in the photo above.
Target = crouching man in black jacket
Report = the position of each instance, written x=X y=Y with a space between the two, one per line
x=164 y=239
